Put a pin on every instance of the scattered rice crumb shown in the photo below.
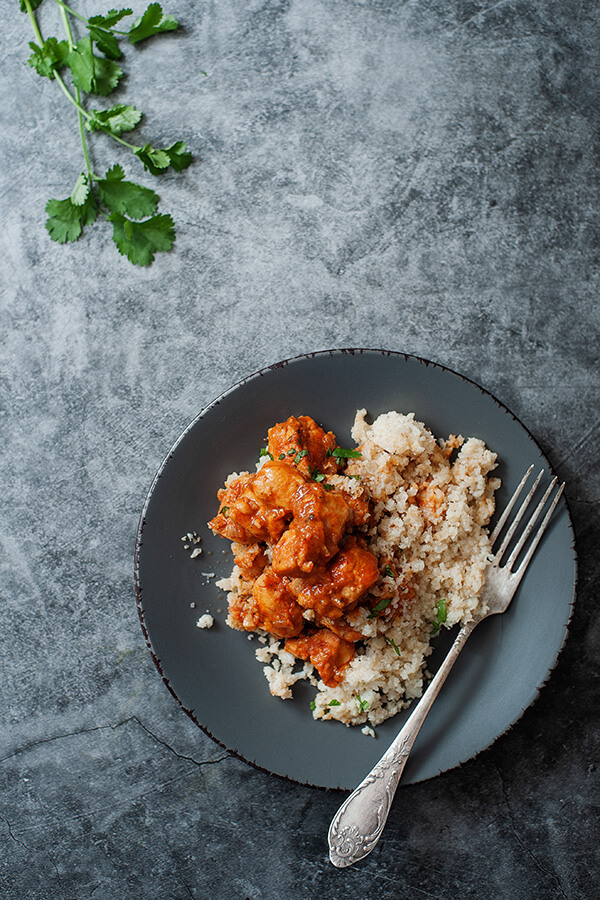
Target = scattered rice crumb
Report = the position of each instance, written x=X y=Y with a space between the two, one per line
x=191 y=541
x=368 y=731
x=205 y=621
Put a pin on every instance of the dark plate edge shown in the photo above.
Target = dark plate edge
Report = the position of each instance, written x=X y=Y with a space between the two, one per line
x=352 y=351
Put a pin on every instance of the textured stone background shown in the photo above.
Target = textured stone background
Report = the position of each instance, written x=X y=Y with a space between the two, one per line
x=419 y=176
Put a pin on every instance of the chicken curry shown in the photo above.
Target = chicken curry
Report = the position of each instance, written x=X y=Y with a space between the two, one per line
x=296 y=542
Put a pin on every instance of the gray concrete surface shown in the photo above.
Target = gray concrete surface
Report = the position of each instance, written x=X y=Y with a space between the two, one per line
x=418 y=176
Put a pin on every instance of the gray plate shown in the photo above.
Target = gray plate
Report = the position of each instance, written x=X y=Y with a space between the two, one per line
x=213 y=673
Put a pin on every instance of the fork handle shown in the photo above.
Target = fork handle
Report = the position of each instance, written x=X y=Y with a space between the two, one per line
x=360 y=820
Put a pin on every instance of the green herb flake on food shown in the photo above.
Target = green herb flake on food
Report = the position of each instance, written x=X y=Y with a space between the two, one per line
x=393 y=644
x=441 y=616
x=362 y=704
x=379 y=607
x=340 y=453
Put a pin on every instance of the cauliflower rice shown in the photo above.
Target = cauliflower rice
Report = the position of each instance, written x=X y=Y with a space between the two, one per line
x=432 y=502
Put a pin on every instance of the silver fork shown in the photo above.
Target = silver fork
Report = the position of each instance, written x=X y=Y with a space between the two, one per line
x=360 y=820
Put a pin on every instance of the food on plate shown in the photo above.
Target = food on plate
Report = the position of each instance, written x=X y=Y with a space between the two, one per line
x=348 y=561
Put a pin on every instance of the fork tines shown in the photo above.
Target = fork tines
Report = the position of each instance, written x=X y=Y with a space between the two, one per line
x=530 y=524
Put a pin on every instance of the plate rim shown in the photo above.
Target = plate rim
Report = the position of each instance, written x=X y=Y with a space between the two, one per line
x=281 y=364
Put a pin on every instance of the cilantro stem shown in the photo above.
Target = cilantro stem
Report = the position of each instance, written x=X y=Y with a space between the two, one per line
x=87 y=21
x=71 y=11
x=34 y=23
x=80 y=109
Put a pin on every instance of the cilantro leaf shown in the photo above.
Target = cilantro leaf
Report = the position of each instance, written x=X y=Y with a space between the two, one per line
x=81 y=63
x=126 y=197
x=33 y=4
x=105 y=41
x=80 y=192
x=48 y=58
x=115 y=120
x=92 y=74
x=107 y=75
x=179 y=155
x=111 y=18
x=152 y=22
x=156 y=161
x=140 y=241
x=66 y=220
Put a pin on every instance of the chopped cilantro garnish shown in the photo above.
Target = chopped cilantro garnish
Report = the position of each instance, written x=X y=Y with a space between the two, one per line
x=312 y=705
x=442 y=615
x=362 y=704
x=292 y=452
x=390 y=572
x=340 y=453
x=282 y=456
x=393 y=644
x=379 y=607
x=334 y=702
x=264 y=452
x=224 y=510
x=300 y=455
x=319 y=478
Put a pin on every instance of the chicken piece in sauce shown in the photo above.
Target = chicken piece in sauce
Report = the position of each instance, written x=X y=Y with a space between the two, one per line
x=251 y=559
x=276 y=608
x=319 y=520
x=336 y=590
x=305 y=443
x=328 y=653
x=257 y=506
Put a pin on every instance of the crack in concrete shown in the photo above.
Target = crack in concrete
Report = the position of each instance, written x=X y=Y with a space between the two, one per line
x=542 y=868
x=27 y=747
x=59 y=737
x=13 y=836
x=200 y=763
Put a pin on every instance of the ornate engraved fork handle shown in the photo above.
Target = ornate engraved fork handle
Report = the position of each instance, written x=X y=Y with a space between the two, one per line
x=360 y=820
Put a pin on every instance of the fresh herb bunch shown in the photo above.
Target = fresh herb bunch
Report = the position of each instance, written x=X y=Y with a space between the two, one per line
x=138 y=230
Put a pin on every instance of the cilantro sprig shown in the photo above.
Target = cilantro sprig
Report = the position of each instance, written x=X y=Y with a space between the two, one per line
x=89 y=65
